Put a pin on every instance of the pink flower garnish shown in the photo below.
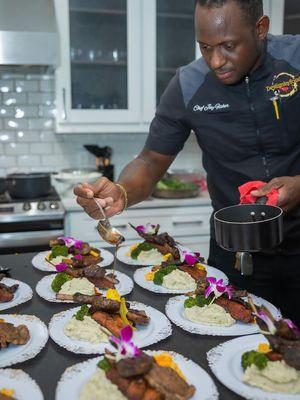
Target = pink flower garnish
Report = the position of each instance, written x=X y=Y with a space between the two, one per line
x=148 y=229
x=188 y=256
x=78 y=257
x=61 y=267
x=125 y=347
x=69 y=242
x=215 y=286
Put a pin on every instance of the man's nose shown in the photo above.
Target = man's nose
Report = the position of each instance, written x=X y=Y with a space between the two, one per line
x=217 y=60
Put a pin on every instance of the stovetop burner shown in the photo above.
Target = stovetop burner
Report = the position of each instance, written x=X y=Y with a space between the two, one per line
x=52 y=196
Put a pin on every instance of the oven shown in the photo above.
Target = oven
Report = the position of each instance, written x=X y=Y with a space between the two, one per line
x=29 y=225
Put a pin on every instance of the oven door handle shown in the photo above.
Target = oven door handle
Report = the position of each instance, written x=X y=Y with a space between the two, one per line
x=32 y=238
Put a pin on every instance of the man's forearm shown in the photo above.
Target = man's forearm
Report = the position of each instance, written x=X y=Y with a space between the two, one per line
x=140 y=175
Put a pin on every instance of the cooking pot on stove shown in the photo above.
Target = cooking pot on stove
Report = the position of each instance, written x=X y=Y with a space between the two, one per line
x=248 y=228
x=28 y=185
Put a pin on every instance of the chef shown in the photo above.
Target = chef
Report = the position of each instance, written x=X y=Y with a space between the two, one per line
x=242 y=100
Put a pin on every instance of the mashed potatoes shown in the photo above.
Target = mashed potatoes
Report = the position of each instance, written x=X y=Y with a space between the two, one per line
x=179 y=280
x=99 y=387
x=151 y=257
x=87 y=330
x=59 y=259
x=277 y=376
x=78 y=285
x=209 y=315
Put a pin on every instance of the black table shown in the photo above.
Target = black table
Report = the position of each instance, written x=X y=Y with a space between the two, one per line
x=47 y=367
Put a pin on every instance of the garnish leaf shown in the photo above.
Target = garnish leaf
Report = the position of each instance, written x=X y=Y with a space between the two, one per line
x=254 y=357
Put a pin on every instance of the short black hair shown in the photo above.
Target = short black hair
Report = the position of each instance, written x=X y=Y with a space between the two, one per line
x=253 y=9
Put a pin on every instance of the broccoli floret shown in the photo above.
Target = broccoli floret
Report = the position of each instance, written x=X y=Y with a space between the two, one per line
x=254 y=357
x=141 y=247
x=199 y=301
x=104 y=364
x=159 y=275
x=58 y=251
x=59 y=280
x=84 y=310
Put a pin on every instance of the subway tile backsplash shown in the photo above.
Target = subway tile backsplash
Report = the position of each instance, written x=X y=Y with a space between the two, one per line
x=28 y=141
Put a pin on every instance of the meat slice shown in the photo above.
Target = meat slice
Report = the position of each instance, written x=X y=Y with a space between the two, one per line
x=113 y=323
x=289 y=349
x=94 y=271
x=132 y=367
x=236 y=308
x=138 y=317
x=167 y=382
x=7 y=292
x=194 y=272
x=102 y=283
x=13 y=334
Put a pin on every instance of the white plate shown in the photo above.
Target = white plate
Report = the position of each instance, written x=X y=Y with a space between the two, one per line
x=225 y=362
x=22 y=294
x=175 y=311
x=158 y=329
x=14 y=354
x=43 y=287
x=40 y=263
x=121 y=256
x=139 y=278
x=75 y=377
x=25 y=387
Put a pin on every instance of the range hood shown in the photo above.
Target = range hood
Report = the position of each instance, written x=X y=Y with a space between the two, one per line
x=28 y=33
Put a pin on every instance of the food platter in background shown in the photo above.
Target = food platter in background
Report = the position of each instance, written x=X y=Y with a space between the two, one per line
x=39 y=261
x=21 y=295
x=44 y=290
x=24 y=387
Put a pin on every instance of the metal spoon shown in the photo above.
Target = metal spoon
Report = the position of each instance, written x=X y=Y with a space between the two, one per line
x=4 y=270
x=108 y=233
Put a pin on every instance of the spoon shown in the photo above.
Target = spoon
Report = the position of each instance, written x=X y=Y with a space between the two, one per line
x=4 y=270
x=108 y=233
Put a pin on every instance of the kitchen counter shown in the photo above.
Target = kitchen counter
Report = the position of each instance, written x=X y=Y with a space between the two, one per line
x=70 y=204
x=47 y=367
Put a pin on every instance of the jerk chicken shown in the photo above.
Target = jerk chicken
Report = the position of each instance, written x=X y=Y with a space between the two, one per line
x=83 y=254
x=142 y=378
x=10 y=334
x=108 y=313
x=7 y=292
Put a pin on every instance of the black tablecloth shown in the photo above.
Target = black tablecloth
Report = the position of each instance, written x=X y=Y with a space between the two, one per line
x=47 y=367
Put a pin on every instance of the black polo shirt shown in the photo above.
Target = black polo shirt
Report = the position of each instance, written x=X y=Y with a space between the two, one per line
x=236 y=126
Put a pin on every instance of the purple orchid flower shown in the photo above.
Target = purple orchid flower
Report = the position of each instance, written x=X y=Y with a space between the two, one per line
x=148 y=229
x=69 y=242
x=229 y=290
x=188 y=256
x=267 y=320
x=61 y=267
x=292 y=325
x=125 y=347
x=215 y=286
x=78 y=257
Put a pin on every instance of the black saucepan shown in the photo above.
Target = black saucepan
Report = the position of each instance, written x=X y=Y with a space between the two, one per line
x=28 y=186
x=249 y=227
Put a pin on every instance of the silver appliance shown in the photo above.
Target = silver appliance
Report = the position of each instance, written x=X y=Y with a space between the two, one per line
x=28 y=225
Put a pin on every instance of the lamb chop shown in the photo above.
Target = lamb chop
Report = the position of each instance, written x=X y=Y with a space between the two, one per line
x=163 y=242
x=7 y=292
x=194 y=272
x=15 y=335
x=95 y=274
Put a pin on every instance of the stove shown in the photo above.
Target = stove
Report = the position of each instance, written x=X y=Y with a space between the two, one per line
x=28 y=225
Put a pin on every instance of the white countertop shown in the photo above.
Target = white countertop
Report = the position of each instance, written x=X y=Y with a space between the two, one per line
x=70 y=204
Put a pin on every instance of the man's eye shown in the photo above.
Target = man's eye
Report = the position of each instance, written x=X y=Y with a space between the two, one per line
x=205 y=48
x=229 y=46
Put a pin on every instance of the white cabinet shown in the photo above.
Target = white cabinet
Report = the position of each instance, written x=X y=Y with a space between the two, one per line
x=189 y=225
x=116 y=58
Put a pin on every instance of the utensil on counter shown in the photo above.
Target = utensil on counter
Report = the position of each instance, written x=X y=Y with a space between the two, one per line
x=248 y=228
x=108 y=233
x=4 y=270
x=28 y=185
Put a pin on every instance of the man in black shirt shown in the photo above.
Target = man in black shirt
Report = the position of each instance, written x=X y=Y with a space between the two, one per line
x=242 y=100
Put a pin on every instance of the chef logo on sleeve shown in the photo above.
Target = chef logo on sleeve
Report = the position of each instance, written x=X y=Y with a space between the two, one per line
x=284 y=85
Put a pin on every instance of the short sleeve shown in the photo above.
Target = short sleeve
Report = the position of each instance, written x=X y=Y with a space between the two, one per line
x=168 y=130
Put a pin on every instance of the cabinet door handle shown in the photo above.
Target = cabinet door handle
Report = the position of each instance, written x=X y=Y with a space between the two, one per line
x=199 y=222
x=64 y=112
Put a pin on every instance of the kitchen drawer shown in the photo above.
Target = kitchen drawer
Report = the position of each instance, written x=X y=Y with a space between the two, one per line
x=177 y=221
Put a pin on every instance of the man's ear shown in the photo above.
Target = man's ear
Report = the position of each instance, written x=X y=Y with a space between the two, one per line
x=262 y=27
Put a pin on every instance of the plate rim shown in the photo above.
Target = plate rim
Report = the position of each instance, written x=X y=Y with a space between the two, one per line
x=11 y=373
x=16 y=302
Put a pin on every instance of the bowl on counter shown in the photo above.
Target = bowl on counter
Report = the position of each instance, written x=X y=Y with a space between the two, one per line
x=66 y=179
